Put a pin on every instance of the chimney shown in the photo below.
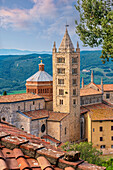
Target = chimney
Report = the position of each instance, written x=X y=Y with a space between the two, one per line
x=82 y=82
x=92 y=76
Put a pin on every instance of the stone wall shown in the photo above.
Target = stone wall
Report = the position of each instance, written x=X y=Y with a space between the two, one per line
x=92 y=99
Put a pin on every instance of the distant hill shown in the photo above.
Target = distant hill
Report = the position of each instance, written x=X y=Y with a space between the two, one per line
x=15 y=69
x=20 y=52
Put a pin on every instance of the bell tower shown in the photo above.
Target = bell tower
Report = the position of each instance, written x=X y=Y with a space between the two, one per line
x=66 y=84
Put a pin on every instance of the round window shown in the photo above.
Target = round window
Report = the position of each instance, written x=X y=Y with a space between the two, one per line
x=43 y=128
x=3 y=118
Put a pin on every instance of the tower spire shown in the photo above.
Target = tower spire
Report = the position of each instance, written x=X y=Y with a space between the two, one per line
x=92 y=77
x=102 y=84
x=82 y=82
x=54 y=47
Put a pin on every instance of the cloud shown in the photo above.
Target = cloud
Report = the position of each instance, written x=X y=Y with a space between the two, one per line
x=21 y=18
x=49 y=15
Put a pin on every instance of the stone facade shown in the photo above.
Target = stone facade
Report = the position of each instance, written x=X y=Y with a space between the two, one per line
x=12 y=113
x=66 y=84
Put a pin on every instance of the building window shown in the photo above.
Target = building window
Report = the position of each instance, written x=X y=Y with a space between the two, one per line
x=101 y=138
x=74 y=101
x=74 y=82
x=33 y=102
x=101 y=128
x=93 y=129
x=3 y=118
x=18 y=108
x=60 y=60
x=43 y=128
x=61 y=102
x=38 y=90
x=74 y=60
x=61 y=70
x=102 y=146
x=111 y=127
x=111 y=146
x=61 y=92
x=107 y=96
x=111 y=137
x=60 y=81
x=65 y=130
x=74 y=92
x=74 y=70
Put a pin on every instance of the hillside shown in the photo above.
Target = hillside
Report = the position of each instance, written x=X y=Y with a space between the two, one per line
x=15 y=69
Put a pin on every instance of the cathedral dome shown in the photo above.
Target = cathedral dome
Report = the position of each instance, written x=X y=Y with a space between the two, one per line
x=41 y=75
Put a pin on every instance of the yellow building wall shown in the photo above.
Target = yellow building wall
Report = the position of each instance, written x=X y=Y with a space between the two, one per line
x=107 y=133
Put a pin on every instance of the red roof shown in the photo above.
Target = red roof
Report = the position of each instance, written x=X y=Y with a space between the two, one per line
x=106 y=87
x=19 y=151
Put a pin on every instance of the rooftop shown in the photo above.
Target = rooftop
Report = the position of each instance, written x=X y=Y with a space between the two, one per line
x=106 y=87
x=89 y=91
x=99 y=111
x=19 y=151
x=37 y=114
x=19 y=97
x=66 y=42
x=40 y=76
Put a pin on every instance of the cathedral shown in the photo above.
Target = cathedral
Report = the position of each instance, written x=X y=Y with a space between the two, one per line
x=56 y=109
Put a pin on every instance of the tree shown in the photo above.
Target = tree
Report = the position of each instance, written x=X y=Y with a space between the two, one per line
x=95 y=26
x=4 y=93
x=87 y=152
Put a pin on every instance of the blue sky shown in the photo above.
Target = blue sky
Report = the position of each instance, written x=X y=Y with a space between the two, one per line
x=36 y=24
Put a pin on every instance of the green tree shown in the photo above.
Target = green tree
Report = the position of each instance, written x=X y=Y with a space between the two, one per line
x=4 y=93
x=88 y=153
x=95 y=26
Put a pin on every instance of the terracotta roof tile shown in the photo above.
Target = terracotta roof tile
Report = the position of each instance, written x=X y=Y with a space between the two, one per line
x=44 y=163
x=3 y=165
x=12 y=164
x=55 y=116
x=17 y=160
x=19 y=97
x=37 y=114
x=88 y=92
x=83 y=110
x=106 y=87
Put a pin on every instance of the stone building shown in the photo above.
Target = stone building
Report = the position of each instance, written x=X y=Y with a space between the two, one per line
x=105 y=89
x=40 y=83
x=66 y=84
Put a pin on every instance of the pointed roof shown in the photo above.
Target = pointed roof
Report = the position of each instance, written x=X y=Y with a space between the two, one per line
x=66 y=42
x=40 y=76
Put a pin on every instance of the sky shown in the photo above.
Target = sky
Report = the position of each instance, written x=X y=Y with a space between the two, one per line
x=36 y=24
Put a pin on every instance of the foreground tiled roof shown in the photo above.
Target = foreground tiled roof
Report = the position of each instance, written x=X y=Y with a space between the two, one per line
x=88 y=92
x=106 y=87
x=19 y=97
x=20 y=151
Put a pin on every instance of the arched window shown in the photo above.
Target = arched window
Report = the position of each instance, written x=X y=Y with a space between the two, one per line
x=43 y=128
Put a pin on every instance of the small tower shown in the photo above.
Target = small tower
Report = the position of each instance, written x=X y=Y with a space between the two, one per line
x=66 y=85
x=41 y=66
x=82 y=82
x=54 y=47
x=102 y=85
x=92 y=77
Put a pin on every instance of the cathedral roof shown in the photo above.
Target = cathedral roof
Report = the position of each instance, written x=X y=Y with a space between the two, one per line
x=66 y=42
x=40 y=76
